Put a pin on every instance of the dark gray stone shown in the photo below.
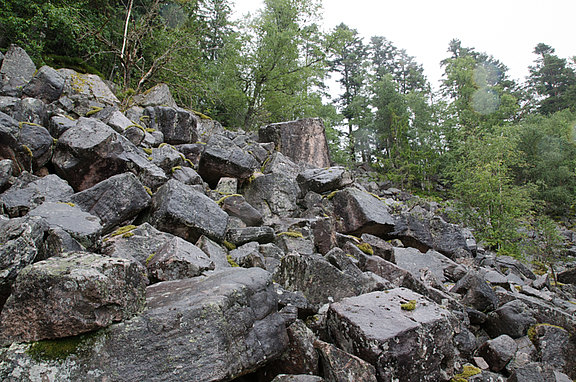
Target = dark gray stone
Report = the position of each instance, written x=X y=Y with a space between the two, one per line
x=82 y=226
x=554 y=347
x=86 y=92
x=239 y=236
x=29 y=191
x=6 y=166
x=58 y=124
x=273 y=194
x=167 y=158
x=339 y=366
x=280 y=164
x=324 y=180
x=187 y=176
x=177 y=125
x=248 y=256
x=568 y=276
x=237 y=206
x=380 y=247
x=66 y=296
x=297 y=378
x=476 y=292
x=185 y=212
x=362 y=213
x=216 y=252
x=37 y=143
x=402 y=343
x=439 y=265
x=178 y=259
x=159 y=95
x=466 y=342
x=301 y=357
x=498 y=352
x=513 y=318
x=115 y=200
x=16 y=70
x=47 y=85
x=139 y=243
x=303 y=140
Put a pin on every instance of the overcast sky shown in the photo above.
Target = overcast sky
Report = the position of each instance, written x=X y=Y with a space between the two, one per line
x=507 y=29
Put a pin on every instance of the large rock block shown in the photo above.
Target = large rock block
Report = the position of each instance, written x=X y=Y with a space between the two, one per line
x=89 y=153
x=177 y=125
x=66 y=296
x=498 y=352
x=86 y=92
x=513 y=318
x=324 y=180
x=403 y=334
x=29 y=191
x=139 y=243
x=47 y=85
x=159 y=95
x=362 y=213
x=303 y=140
x=114 y=200
x=339 y=366
x=223 y=158
x=273 y=194
x=183 y=211
x=212 y=329
x=442 y=268
x=16 y=70
x=476 y=292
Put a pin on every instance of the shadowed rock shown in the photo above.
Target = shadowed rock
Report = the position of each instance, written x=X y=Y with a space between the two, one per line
x=16 y=70
x=324 y=180
x=47 y=85
x=339 y=366
x=177 y=125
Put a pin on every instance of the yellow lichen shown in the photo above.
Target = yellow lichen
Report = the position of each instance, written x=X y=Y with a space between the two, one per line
x=226 y=197
x=292 y=234
x=148 y=190
x=232 y=262
x=366 y=248
x=68 y=203
x=21 y=124
x=330 y=195
x=123 y=230
x=409 y=306
x=228 y=245
x=201 y=115
x=149 y=258
x=94 y=110
x=467 y=372
x=176 y=168
x=533 y=330
x=28 y=151
x=147 y=150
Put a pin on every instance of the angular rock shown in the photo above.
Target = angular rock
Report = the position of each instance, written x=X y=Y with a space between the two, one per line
x=362 y=213
x=466 y=342
x=391 y=272
x=303 y=140
x=147 y=172
x=568 y=276
x=115 y=200
x=280 y=164
x=159 y=95
x=37 y=144
x=207 y=128
x=320 y=281
x=89 y=153
x=273 y=194
x=192 y=151
x=239 y=236
x=513 y=318
x=22 y=243
x=29 y=191
x=247 y=256
x=439 y=265
x=5 y=173
x=181 y=210
x=66 y=296
x=295 y=242
x=177 y=125
x=167 y=158
x=406 y=344
x=82 y=226
x=380 y=247
x=536 y=372
x=223 y=158
x=216 y=253
x=498 y=352
x=31 y=111
x=86 y=92
x=187 y=175
x=324 y=180
x=554 y=347
x=178 y=259
x=137 y=243
x=47 y=85
x=59 y=124
x=16 y=70
x=297 y=378
x=476 y=292
x=339 y=366
x=237 y=206
x=211 y=329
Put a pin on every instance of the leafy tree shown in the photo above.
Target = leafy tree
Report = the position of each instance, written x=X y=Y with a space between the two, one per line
x=553 y=79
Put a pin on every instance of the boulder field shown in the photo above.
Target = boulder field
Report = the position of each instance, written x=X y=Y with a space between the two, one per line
x=141 y=241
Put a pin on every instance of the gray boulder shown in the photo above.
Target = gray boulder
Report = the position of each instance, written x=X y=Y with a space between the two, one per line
x=208 y=329
x=237 y=206
x=29 y=191
x=187 y=175
x=498 y=352
x=403 y=334
x=216 y=252
x=513 y=318
x=223 y=158
x=273 y=195
x=178 y=259
x=239 y=236
x=568 y=276
x=324 y=180
x=5 y=173
x=137 y=243
x=159 y=95
x=167 y=158
x=339 y=366
x=58 y=124
x=247 y=256
x=361 y=213
x=476 y=292
x=115 y=200
x=16 y=70
x=441 y=267
x=177 y=125
x=555 y=347
x=303 y=140
x=66 y=296
x=82 y=226
x=47 y=85
x=85 y=93
x=183 y=211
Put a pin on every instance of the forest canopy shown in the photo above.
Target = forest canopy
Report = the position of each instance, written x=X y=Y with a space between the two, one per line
x=503 y=149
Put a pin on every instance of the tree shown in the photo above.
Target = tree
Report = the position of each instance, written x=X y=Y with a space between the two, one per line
x=553 y=79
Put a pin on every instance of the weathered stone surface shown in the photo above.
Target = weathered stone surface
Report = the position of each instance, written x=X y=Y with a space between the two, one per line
x=22 y=243
x=31 y=111
x=240 y=236
x=86 y=92
x=159 y=95
x=16 y=70
x=185 y=212
x=362 y=213
x=297 y=378
x=498 y=352
x=178 y=259
x=210 y=329
x=391 y=272
x=58 y=124
x=47 y=85
x=147 y=172
x=187 y=175
x=295 y=242
x=66 y=296
x=380 y=247
x=281 y=164
x=83 y=227
x=216 y=253
x=536 y=372
x=441 y=267
x=248 y=256
x=320 y=281
x=115 y=200
x=339 y=366
x=568 y=276
x=466 y=342
x=29 y=191
x=273 y=194
x=167 y=158
x=303 y=140
x=207 y=128
x=403 y=344
x=476 y=292
x=177 y=125
x=237 y=206
x=223 y=158
x=37 y=143
x=5 y=173
x=324 y=180
x=513 y=318
x=135 y=243
x=89 y=153
x=554 y=347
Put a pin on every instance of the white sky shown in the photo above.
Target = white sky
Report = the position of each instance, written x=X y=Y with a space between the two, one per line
x=507 y=29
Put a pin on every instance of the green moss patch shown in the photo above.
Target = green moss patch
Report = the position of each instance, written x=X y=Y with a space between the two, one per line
x=468 y=371
x=409 y=306
x=62 y=348
x=292 y=234
x=122 y=231
x=366 y=248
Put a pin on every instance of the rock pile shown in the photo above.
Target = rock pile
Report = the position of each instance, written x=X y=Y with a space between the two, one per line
x=149 y=244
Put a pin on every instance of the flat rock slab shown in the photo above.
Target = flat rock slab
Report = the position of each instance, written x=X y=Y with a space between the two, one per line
x=211 y=329
x=322 y=180
x=66 y=296
x=402 y=343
